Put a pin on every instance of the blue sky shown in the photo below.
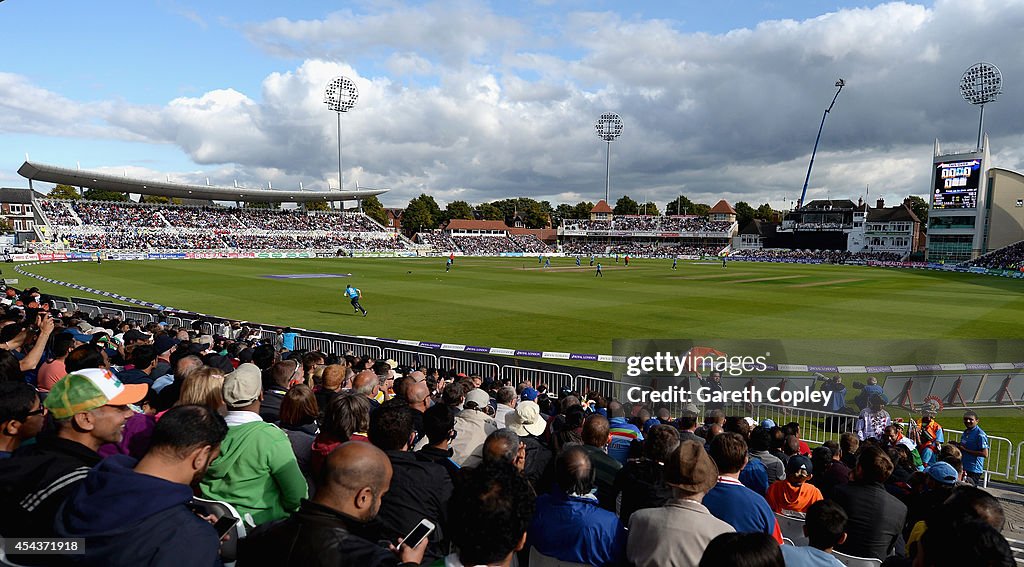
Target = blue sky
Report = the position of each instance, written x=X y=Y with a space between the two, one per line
x=480 y=100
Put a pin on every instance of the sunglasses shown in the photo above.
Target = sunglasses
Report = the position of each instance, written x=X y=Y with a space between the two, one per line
x=41 y=411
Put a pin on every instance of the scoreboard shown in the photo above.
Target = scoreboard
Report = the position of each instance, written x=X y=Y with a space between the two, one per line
x=956 y=184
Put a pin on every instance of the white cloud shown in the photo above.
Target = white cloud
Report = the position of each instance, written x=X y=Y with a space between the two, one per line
x=475 y=106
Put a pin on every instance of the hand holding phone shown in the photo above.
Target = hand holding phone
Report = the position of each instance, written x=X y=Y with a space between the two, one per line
x=412 y=547
x=223 y=525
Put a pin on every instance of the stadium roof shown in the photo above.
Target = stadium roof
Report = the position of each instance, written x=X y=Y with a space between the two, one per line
x=900 y=212
x=722 y=208
x=122 y=184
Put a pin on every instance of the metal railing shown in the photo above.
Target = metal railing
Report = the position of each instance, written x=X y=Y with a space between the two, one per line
x=470 y=367
x=816 y=426
x=1018 y=472
x=410 y=358
x=1000 y=455
x=313 y=343
x=359 y=349
x=555 y=381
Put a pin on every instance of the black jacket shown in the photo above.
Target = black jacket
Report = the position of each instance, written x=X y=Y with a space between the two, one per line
x=36 y=480
x=315 y=536
x=539 y=469
x=127 y=518
x=434 y=455
x=642 y=485
x=270 y=406
x=419 y=489
x=875 y=519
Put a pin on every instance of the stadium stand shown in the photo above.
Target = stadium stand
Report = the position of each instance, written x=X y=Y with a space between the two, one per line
x=94 y=225
x=1007 y=258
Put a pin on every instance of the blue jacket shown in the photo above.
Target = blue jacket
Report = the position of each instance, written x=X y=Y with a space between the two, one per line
x=741 y=508
x=129 y=518
x=755 y=476
x=577 y=530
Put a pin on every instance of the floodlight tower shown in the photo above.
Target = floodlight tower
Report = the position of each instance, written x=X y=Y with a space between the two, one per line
x=609 y=127
x=840 y=84
x=340 y=96
x=981 y=84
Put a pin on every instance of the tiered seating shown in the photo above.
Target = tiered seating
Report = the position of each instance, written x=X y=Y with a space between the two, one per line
x=832 y=256
x=133 y=226
x=1007 y=258
x=650 y=224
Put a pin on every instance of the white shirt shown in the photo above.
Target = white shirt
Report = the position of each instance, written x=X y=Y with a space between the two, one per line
x=234 y=418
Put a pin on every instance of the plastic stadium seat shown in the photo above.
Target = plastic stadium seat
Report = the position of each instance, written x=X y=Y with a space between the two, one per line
x=792 y=529
x=852 y=561
x=229 y=548
x=538 y=559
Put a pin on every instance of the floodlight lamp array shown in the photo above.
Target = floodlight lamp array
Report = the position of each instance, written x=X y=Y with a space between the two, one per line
x=341 y=94
x=981 y=83
x=609 y=126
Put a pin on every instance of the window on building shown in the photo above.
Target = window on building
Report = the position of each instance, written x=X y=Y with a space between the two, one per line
x=951 y=222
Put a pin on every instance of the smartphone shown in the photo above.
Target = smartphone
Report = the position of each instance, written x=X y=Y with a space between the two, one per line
x=224 y=525
x=419 y=533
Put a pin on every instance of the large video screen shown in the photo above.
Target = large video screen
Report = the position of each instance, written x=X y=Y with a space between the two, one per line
x=956 y=184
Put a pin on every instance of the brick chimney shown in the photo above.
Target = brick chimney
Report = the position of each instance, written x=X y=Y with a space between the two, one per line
x=880 y=204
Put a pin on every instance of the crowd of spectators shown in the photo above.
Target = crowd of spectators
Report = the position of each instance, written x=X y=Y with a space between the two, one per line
x=649 y=224
x=584 y=248
x=134 y=437
x=140 y=215
x=58 y=212
x=658 y=250
x=1007 y=258
x=528 y=243
x=441 y=241
x=483 y=245
x=139 y=239
x=132 y=226
x=828 y=256
x=98 y=213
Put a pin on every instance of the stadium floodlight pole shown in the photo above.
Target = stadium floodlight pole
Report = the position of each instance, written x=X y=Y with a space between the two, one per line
x=803 y=194
x=981 y=84
x=609 y=127
x=340 y=96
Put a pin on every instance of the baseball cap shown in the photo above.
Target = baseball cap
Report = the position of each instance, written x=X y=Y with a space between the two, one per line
x=943 y=473
x=478 y=396
x=391 y=362
x=529 y=394
x=164 y=343
x=77 y=335
x=691 y=469
x=243 y=386
x=767 y=423
x=689 y=410
x=88 y=389
x=136 y=335
x=526 y=419
x=799 y=463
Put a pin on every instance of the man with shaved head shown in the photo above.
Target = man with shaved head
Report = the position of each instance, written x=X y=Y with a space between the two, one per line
x=568 y=525
x=367 y=384
x=355 y=477
x=417 y=395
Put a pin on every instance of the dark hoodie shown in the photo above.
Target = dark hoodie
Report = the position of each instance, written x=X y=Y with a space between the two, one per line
x=128 y=518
